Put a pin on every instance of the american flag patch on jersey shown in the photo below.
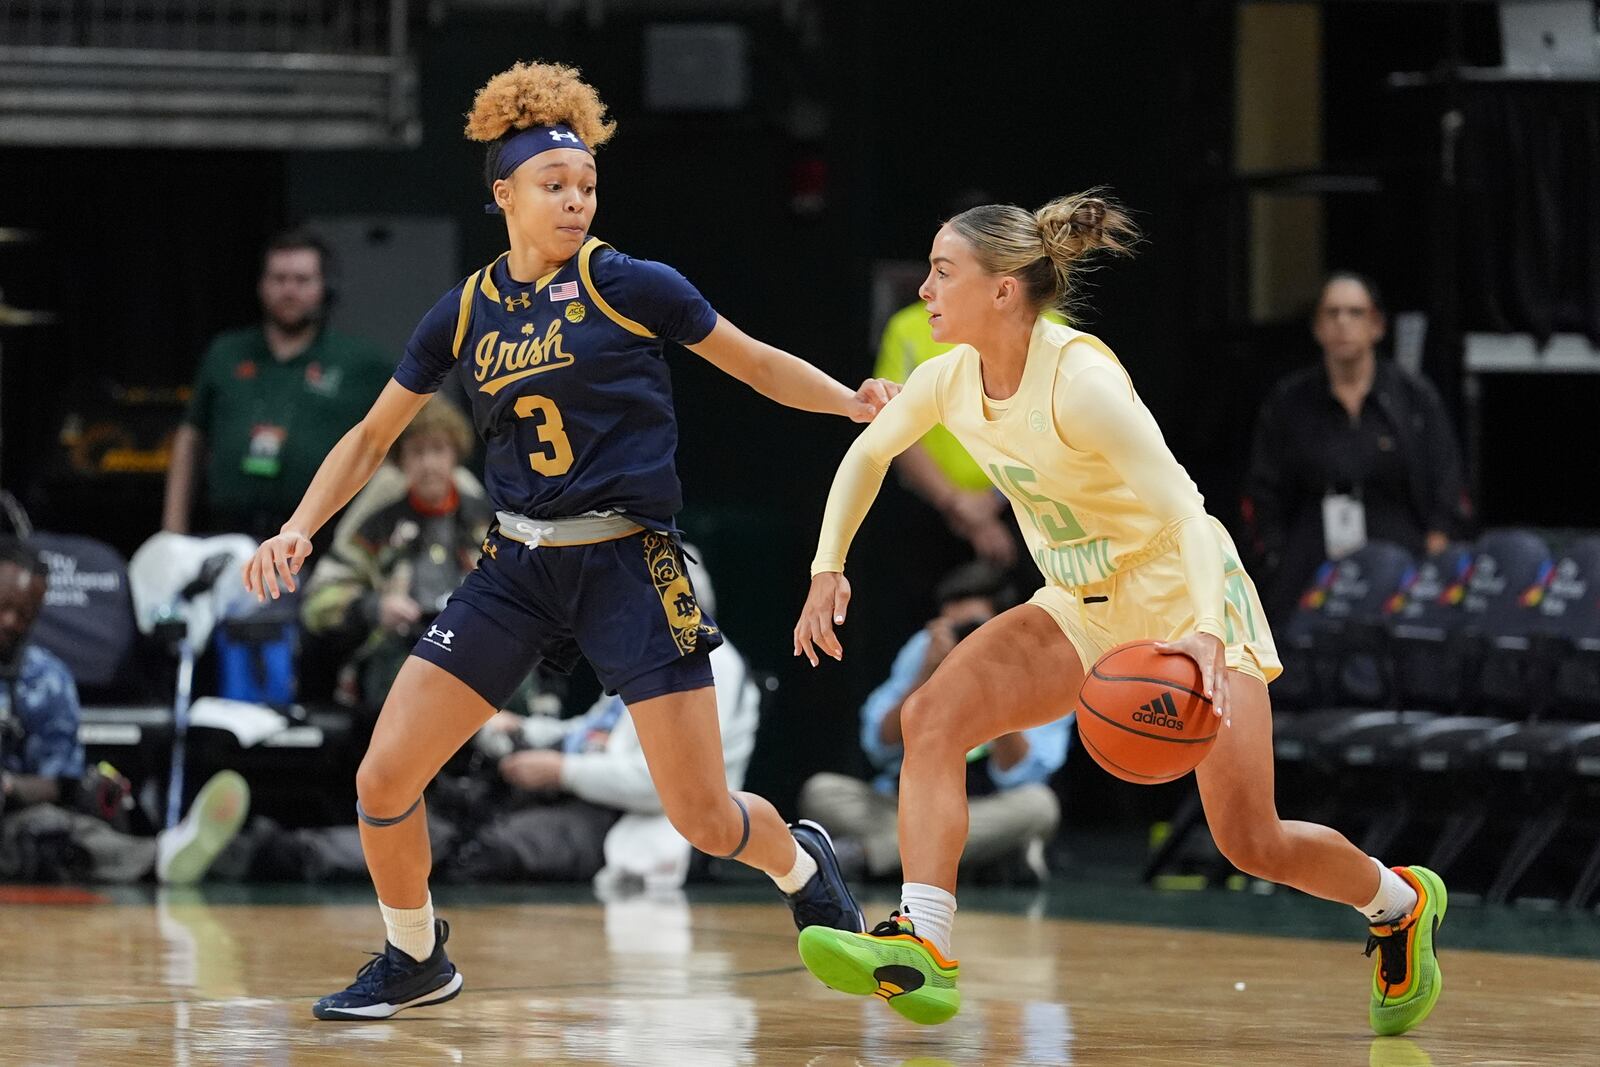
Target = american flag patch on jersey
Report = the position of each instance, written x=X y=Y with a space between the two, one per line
x=564 y=291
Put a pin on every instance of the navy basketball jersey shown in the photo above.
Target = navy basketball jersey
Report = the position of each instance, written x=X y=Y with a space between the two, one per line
x=568 y=380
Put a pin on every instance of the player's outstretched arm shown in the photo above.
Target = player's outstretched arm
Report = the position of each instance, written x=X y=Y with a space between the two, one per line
x=914 y=412
x=788 y=379
x=342 y=474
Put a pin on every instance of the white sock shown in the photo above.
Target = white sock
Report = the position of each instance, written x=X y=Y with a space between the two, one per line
x=932 y=911
x=1395 y=897
x=410 y=929
x=804 y=867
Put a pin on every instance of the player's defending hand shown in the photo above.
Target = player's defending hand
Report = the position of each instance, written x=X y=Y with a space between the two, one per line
x=825 y=608
x=871 y=398
x=278 y=558
x=1212 y=657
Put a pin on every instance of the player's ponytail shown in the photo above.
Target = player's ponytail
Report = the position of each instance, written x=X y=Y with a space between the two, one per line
x=1046 y=249
x=1073 y=228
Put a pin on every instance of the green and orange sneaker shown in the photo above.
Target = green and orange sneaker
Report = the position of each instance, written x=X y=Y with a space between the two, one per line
x=1406 y=981
x=889 y=962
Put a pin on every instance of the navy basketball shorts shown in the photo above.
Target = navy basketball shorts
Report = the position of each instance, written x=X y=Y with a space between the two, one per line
x=627 y=606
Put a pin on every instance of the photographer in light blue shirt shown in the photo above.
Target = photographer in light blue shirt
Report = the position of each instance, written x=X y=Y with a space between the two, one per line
x=1012 y=809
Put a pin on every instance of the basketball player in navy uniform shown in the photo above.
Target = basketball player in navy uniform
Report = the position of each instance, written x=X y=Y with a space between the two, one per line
x=560 y=344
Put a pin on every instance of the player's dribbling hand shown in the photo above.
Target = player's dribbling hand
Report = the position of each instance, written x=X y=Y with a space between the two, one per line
x=871 y=398
x=824 y=609
x=279 y=557
x=1212 y=657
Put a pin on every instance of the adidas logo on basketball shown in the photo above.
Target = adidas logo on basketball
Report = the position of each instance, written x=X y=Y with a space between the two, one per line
x=1160 y=712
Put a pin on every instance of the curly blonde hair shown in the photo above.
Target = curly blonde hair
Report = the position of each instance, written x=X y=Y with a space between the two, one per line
x=538 y=94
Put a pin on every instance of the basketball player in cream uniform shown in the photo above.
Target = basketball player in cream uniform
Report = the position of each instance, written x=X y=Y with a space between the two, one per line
x=1121 y=535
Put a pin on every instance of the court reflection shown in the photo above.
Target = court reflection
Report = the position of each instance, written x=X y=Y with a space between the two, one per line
x=648 y=980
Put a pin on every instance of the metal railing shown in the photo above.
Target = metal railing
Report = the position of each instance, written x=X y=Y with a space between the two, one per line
x=218 y=73
x=331 y=27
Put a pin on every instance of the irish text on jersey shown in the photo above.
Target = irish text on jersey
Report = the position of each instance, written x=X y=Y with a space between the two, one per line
x=497 y=363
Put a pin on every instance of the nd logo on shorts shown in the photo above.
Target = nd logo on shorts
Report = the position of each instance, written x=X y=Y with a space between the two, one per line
x=672 y=585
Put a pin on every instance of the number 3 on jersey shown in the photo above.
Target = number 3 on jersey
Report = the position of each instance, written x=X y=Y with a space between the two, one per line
x=551 y=432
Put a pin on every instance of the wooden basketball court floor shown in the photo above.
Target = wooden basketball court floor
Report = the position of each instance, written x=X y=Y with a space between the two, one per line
x=190 y=980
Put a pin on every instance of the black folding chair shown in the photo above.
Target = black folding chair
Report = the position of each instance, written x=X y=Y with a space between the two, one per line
x=1331 y=650
x=1440 y=647
x=1541 y=766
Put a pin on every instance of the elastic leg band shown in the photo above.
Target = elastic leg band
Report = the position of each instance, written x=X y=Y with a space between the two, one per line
x=744 y=838
x=371 y=821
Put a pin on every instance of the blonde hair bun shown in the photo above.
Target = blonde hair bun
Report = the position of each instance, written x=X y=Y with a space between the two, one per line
x=1073 y=226
x=1048 y=249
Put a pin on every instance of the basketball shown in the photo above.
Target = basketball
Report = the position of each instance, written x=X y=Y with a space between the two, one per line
x=1143 y=715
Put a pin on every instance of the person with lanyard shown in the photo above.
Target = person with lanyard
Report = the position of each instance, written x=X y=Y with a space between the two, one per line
x=270 y=401
x=1350 y=450
x=1121 y=535
x=560 y=342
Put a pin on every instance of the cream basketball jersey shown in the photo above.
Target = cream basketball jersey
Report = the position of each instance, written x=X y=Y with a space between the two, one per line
x=1080 y=519
x=1088 y=473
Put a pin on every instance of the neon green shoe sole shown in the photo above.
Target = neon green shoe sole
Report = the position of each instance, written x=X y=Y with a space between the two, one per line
x=1390 y=1013
x=186 y=852
x=897 y=970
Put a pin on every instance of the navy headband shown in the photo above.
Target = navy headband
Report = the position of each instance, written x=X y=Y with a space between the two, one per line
x=529 y=143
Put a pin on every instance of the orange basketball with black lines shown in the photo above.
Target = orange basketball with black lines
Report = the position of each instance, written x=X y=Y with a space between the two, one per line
x=1144 y=716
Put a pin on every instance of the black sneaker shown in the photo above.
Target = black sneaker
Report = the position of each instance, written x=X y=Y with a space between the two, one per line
x=392 y=981
x=825 y=900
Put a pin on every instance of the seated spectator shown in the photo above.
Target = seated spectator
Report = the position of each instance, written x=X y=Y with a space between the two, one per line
x=380 y=587
x=45 y=832
x=579 y=776
x=1350 y=450
x=1012 y=809
x=538 y=800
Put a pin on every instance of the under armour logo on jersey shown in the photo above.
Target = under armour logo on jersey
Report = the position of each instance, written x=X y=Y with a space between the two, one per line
x=441 y=638
x=521 y=300
x=561 y=135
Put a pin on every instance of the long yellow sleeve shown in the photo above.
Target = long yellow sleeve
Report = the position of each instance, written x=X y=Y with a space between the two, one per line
x=1096 y=411
x=898 y=426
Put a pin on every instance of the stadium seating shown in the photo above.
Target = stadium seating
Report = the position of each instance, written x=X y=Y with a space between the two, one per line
x=1449 y=709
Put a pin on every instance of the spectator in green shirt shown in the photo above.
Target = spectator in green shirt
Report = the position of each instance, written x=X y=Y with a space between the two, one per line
x=270 y=401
